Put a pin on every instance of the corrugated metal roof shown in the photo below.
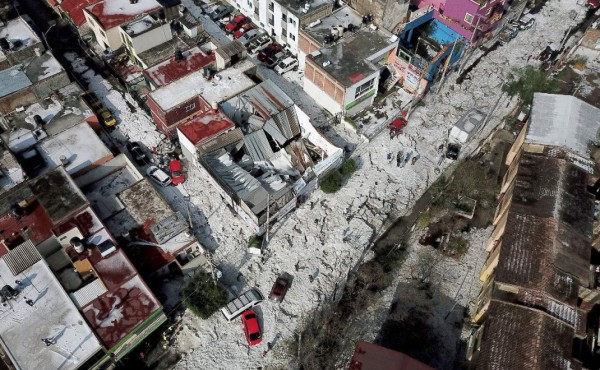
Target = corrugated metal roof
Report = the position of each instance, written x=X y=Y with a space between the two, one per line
x=284 y=125
x=22 y=257
x=88 y=293
x=258 y=146
x=13 y=79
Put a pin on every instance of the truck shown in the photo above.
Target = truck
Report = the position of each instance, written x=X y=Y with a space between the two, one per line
x=242 y=303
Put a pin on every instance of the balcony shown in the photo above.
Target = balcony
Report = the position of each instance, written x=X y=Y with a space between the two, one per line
x=490 y=263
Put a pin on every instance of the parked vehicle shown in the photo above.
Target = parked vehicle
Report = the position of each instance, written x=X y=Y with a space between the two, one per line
x=453 y=151
x=259 y=44
x=242 y=303
x=526 y=22
x=592 y=4
x=158 y=175
x=269 y=51
x=245 y=28
x=286 y=65
x=176 y=172
x=107 y=117
x=250 y=36
x=274 y=60
x=137 y=153
x=93 y=101
x=237 y=22
x=251 y=328
x=279 y=289
x=220 y=12
x=507 y=34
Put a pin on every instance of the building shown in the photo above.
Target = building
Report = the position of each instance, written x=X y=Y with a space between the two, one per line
x=470 y=19
x=25 y=84
x=267 y=163
x=52 y=213
x=368 y=356
x=589 y=47
x=72 y=12
x=104 y=18
x=179 y=66
x=52 y=316
x=11 y=172
x=283 y=19
x=426 y=49
x=21 y=43
x=194 y=94
x=343 y=67
x=532 y=311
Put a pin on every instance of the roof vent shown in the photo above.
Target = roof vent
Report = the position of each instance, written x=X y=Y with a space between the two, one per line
x=179 y=55
x=38 y=120
x=77 y=244
x=326 y=63
x=64 y=160
x=306 y=8
x=7 y=292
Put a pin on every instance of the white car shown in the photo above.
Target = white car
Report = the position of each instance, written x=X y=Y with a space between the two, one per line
x=285 y=65
x=158 y=175
x=259 y=44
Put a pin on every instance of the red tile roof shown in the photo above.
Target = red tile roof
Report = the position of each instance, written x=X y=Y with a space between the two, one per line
x=206 y=125
x=171 y=70
x=127 y=303
x=34 y=225
x=368 y=356
x=74 y=8
x=113 y=13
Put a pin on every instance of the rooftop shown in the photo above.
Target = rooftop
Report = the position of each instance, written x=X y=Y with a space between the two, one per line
x=368 y=356
x=206 y=126
x=113 y=13
x=563 y=120
x=299 y=9
x=12 y=80
x=222 y=86
x=344 y=17
x=141 y=25
x=74 y=8
x=18 y=30
x=591 y=39
x=79 y=145
x=127 y=303
x=518 y=337
x=43 y=67
x=546 y=245
x=166 y=50
x=53 y=315
x=11 y=172
x=347 y=61
x=58 y=194
x=171 y=69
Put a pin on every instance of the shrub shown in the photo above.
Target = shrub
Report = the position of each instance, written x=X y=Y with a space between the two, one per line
x=348 y=167
x=458 y=245
x=202 y=296
x=424 y=220
x=332 y=183
x=255 y=241
x=526 y=81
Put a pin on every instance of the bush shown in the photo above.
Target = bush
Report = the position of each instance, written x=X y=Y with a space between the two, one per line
x=458 y=245
x=424 y=220
x=202 y=296
x=255 y=241
x=332 y=183
x=526 y=81
x=348 y=167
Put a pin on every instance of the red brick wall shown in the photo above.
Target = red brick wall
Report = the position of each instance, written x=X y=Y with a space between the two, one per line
x=306 y=44
x=168 y=121
x=324 y=81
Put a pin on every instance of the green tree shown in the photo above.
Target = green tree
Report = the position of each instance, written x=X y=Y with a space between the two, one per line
x=202 y=296
x=332 y=183
x=526 y=81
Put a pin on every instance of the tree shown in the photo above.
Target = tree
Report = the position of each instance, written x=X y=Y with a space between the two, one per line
x=332 y=183
x=526 y=81
x=202 y=296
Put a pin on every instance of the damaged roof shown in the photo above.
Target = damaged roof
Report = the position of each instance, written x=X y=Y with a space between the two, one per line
x=516 y=337
x=546 y=245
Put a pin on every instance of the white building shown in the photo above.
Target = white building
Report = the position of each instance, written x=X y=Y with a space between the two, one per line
x=283 y=19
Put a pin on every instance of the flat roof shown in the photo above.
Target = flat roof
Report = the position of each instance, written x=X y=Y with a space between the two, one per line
x=127 y=303
x=347 y=60
x=34 y=224
x=53 y=315
x=80 y=145
x=102 y=194
x=171 y=70
x=18 y=29
x=12 y=173
x=13 y=79
x=113 y=13
x=298 y=7
x=143 y=204
x=206 y=125
x=222 y=86
x=166 y=50
x=563 y=120
x=344 y=17
x=43 y=67
x=58 y=194
x=141 y=25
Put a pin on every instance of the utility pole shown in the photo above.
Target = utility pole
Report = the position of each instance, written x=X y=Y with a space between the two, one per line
x=44 y=36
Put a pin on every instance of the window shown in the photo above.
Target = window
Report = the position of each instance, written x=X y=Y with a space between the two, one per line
x=364 y=88
x=292 y=36
x=272 y=21
x=271 y=6
x=469 y=18
x=292 y=21
x=283 y=17
x=189 y=107
x=256 y=10
x=488 y=12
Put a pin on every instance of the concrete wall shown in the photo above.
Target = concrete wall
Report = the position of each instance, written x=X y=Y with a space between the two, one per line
x=150 y=39
x=105 y=38
x=49 y=85
x=20 y=98
x=20 y=56
x=395 y=15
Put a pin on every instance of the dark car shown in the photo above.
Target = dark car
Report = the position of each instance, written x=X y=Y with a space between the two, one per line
x=274 y=60
x=251 y=327
x=269 y=51
x=220 y=12
x=279 y=289
x=137 y=153
x=453 y=151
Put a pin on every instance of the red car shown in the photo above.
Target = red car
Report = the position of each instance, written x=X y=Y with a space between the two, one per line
x=247 y=27
x=236 y=23
x=269 y=51
x=251 y=327
x=279 y=289
x=176 y=172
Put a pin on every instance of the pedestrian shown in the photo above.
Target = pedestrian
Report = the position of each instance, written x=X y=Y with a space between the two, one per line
x=28 y=301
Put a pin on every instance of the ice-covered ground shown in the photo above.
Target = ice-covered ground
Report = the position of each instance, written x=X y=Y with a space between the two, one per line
x=321 y=240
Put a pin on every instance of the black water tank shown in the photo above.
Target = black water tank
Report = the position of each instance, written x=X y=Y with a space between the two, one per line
x=38 y=120
x=4 y=43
